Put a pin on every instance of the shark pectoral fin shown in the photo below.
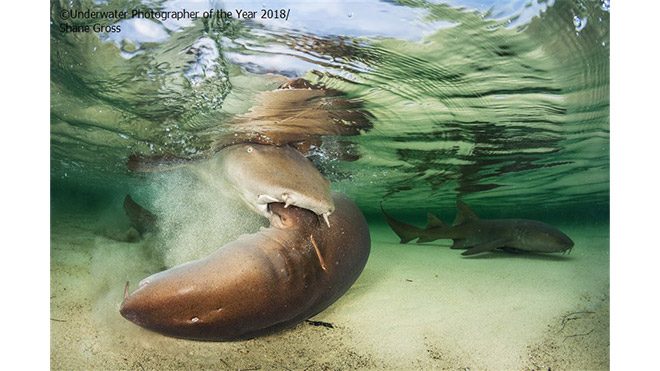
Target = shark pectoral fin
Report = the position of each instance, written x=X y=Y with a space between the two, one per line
x=458 y=244
x=486 y=246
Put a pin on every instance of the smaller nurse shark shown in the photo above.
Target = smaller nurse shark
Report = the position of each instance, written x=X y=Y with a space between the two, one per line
x=477 y=235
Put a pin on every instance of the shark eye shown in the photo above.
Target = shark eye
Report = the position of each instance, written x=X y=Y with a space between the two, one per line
x=250 y=149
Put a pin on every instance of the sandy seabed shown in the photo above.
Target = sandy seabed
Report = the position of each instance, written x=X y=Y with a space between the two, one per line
x=416 y=306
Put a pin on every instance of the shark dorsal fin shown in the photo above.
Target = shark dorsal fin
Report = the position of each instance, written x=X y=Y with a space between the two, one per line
x=464 y=214
x=434 y=221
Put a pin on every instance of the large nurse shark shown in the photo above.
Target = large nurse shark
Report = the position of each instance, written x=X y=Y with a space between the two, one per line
x=477 y=235
x=261 y=282
x=268 y=280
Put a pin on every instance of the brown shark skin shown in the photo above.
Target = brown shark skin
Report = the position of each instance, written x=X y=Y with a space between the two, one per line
x=476 y=235
x=278 y=174
x=259 y=283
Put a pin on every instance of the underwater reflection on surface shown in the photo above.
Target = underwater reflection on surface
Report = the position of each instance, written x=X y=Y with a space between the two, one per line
x=478 y=99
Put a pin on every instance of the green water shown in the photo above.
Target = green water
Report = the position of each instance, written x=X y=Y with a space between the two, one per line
x=506 y=107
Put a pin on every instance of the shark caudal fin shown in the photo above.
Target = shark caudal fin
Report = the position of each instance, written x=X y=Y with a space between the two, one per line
x=464 y=214
x=406 y=232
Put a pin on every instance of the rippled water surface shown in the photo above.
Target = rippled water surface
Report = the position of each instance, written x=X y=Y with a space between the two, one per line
x=505 y=104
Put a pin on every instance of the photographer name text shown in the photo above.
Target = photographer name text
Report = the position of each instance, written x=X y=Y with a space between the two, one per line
x=160 y=15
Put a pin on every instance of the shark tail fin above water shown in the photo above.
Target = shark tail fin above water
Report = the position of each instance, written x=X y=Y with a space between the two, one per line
x=464 y=214
x=406 y=232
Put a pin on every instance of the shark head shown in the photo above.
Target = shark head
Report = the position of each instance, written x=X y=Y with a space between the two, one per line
x=265 y=174
x=541 y=237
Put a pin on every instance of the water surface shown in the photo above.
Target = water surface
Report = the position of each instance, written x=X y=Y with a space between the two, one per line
x=503 y=104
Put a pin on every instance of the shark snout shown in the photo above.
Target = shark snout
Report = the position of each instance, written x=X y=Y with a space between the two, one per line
x=562 y=242
x=562 y=239
x=144 y=304
x=130 y=309
x=541 y=237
